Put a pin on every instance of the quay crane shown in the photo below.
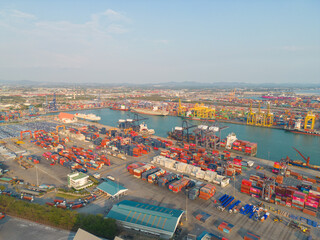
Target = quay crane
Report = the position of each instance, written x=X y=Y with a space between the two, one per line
x=178 y=132
x=250 y=116
x=131 y=124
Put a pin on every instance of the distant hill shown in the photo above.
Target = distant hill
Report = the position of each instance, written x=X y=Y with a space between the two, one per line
x=172 y=85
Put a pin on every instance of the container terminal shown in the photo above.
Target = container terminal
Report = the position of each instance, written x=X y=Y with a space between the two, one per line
x=212 y=192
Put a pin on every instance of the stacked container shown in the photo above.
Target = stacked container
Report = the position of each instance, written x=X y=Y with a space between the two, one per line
x=207 y=191
x=152 y=178
x=177 y=186
x=245 y=186
x=298 y=200
x=225 y=227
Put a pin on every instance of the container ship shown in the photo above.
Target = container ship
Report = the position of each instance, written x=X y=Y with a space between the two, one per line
x=299 y=163
x=280 y=97
x=90 y=117
x=235 y=145
x=199 y=119
x=155 y=111
x=302 y=131
x=297 y=129
x=121 y=108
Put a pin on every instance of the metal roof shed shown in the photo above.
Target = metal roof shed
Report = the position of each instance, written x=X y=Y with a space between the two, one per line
x=148 y=218
x=84 y=235
x=111 y=188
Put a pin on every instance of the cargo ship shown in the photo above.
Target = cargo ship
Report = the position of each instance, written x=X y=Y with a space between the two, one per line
x=299 y=163
x=90 y=117
x=302 y=131
x=121 y=108
x=239 y=146
x=199 y=119
x=278 y=97
x=155 y=111
x=297 y=129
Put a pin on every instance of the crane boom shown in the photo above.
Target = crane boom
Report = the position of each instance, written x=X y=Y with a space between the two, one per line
x=306 y=159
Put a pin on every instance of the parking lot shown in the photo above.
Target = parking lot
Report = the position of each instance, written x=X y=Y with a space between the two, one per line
x=17 y=229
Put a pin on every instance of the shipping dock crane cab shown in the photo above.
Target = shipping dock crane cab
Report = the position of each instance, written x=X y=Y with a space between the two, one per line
x=304 y=158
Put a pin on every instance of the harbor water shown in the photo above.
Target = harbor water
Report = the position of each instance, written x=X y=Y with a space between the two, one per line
x=273 y=144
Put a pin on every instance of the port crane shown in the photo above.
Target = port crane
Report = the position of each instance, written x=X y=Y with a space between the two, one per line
x=133 y=123
x=304 y=158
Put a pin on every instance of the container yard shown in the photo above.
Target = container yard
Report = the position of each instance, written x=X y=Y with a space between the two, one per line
x=239 y=195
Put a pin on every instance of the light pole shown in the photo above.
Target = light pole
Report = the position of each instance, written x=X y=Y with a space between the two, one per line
x=37 y=176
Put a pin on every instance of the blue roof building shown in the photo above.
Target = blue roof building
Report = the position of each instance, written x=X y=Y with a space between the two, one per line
x=148 y=218
x=111 y=188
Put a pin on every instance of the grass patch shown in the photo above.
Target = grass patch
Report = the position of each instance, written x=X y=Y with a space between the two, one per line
x=68 y=196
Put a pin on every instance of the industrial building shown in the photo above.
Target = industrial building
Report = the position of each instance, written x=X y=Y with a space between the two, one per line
x=78 y=180
x=112 y=189
x=147 y=218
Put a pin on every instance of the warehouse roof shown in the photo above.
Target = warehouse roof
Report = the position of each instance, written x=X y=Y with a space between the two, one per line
x=150 y=218
x=63 y=115
x=84 y=235
x=112 y=188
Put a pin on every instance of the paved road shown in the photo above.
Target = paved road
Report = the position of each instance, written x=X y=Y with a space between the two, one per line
x=17 y=229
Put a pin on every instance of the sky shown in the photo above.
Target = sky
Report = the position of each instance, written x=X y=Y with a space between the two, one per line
x=145 y=41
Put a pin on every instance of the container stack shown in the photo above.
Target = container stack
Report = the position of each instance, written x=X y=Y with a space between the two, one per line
x=225 y=227
x=178 y=185
x=311 y=205
x=256 y=187
x=207 y=191
x=251 y=236
x=166 y=179
x=298 y=200
x=133 y=166
x=237 y=165
x=138 y=171
x=194 y=193
x=245 y=186
x=276 y=167
x=145 y=175
x=152 y=178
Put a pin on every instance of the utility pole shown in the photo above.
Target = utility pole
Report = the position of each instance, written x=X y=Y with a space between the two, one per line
x=234 y=184
x=187 y=208
x=37 y=176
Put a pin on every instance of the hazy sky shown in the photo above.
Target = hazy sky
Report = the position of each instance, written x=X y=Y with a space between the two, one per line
x=159 y=41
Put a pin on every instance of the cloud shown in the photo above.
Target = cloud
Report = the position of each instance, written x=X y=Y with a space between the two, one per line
x=103 y=23
x=19 y=14
x=116 y=16
x=35 y=43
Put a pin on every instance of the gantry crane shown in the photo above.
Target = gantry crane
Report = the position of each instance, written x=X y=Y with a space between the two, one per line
x=268 y=118
x=204 y=112
x=309 y=121
x=250 y=116
x=181 y=109
x=259 y=117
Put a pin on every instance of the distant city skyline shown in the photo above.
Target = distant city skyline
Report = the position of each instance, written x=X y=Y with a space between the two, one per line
x=160 y=41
